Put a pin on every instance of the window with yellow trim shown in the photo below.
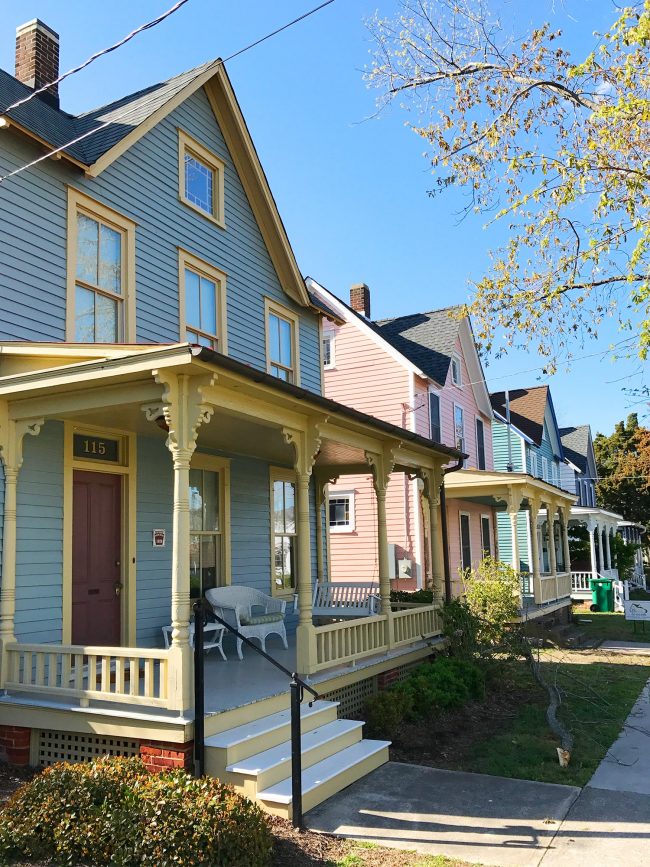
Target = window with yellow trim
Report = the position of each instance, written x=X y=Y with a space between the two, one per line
x=282 y=343
x=101 y=271
x=202 y=303
x=201 y=178
x=283 y=532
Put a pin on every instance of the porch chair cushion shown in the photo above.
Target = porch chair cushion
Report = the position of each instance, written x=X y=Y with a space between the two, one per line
x=235 y=605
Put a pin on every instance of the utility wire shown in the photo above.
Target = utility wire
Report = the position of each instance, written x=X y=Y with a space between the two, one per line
x=117 y=117
x=97 y=55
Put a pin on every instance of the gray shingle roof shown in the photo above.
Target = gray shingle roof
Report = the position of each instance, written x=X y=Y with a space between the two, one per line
x=57 y=127
x=575 y=444
x=426 y=339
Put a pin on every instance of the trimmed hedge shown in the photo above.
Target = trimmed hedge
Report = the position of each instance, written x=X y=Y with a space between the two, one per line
x=113 y=811
x=443 y=684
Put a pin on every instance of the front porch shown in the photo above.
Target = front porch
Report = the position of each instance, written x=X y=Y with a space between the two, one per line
x=532 y=522
x=601 y=527
x=175 y=412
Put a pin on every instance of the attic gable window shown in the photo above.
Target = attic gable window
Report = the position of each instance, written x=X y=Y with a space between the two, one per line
x=201 y=179
x=100 y=273
x=456 y=371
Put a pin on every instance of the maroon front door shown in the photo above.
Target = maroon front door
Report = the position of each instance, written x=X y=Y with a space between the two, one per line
x=96 y=554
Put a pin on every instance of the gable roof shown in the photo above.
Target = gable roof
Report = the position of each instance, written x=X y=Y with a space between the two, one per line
x=427 y=339
x=575 y=444
x=112 y=129
x=527 y=409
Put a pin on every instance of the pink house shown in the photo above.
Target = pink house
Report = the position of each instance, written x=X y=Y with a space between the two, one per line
x=421 y=372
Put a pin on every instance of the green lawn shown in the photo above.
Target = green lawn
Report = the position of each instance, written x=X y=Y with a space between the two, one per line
x=597 y=697
x=609 y=627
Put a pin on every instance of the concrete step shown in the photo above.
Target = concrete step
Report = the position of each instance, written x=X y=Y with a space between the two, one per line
x=264 y=769
x=327 y=777
x=231 y=745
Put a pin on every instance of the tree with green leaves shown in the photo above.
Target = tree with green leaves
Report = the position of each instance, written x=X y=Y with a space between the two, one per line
x=623 y=462
x=557 y=147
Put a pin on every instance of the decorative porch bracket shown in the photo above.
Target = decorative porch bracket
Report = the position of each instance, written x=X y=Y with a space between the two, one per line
x=12 y=434
x=306 y=445
x=382 y=465
x=184 y=409
x=432 y=480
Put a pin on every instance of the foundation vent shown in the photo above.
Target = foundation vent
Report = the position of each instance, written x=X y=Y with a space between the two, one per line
x=56 y=746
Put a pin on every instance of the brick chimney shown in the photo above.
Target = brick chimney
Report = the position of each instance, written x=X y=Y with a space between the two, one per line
x=360 y=299
x=37 y=58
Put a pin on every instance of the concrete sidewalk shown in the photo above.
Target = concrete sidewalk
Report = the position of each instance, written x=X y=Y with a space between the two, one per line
x=474 y=817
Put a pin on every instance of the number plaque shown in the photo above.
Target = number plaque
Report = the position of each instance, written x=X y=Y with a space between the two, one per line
x=96 y=448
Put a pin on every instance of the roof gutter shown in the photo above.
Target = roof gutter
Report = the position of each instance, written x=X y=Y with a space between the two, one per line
x=443 y=525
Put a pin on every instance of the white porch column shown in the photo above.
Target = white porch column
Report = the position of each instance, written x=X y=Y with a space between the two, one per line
x=591 y=529
x=609 y=550
x=382 y=466
x=564 y=514
x=432 y=494
x=11 y=455
x=533 y=512
x=513 y=505
x=184 y=412
x=550 y=524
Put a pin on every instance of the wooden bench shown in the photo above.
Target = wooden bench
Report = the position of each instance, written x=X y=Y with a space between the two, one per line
x=338 y=599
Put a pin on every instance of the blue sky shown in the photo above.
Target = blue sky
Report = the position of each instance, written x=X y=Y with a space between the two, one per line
x=351 y=190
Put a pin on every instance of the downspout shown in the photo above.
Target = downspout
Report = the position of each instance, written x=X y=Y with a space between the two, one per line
x=444 y=529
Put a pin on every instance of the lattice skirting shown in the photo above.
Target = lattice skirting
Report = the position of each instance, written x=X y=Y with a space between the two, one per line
x=351 y=698
x=54 y=746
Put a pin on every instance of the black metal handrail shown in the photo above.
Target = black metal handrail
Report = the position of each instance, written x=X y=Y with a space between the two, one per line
x=297 y=687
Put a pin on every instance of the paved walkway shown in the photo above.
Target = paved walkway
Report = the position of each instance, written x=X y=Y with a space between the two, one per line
x=498 y=821
x=629 y=648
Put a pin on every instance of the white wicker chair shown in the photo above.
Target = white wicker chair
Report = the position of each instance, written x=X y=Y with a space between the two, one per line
x=235 y=605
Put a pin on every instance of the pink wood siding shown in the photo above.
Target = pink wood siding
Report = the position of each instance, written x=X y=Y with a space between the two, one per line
x=421 y=408
x=474 y=510
x=367 y=377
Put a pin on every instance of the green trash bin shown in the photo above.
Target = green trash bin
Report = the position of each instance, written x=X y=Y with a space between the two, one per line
x=602 y=594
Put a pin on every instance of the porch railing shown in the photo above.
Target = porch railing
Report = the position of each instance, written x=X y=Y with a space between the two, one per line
x=548 y=588
x=343 y=642
x=563 y=584
x=580 y=582
x=134 y=675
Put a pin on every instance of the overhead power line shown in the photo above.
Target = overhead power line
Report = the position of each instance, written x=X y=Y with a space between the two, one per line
x=153 y=23
x=121 y=115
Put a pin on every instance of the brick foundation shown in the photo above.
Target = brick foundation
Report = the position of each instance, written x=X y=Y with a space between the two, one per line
x=14 y=744
x=387 y=678
x=162 y=756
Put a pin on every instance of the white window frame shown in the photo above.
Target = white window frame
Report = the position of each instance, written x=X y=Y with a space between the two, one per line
x=462 y=412
x=544 y=468
x=188 y=261
x=189 y=145
x=272 y=307
x=332 y=362
x=490 y=536
x=79 y=203
x=455 y=360
x=467 y=515
x=534 y=469
x=350 y=527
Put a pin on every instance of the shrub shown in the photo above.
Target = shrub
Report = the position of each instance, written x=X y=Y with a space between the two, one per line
x=424 y=597
x=112 y=811
x=385 y=712
x=492 y=595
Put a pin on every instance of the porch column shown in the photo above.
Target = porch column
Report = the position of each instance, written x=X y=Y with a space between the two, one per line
x=592 y=549
x=306 y=445
x=11 y=455
x=514 y=505
x=609 y=551
x=432 y=494
x=184 y=412
x=564 y=514
x=550 y=523
x=320 y=485
x=534 y=506
x=382 y=466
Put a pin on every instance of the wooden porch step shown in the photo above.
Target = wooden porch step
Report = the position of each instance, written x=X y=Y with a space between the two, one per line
x=327 y=777
x=266 y=732
x=274 y=765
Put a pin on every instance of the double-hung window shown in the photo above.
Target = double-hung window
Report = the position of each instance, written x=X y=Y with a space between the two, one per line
x=486 y=536
x=480 y=444
x=208 y=519
x=282 y=343
x=465 y=543
x=202 y=302
x=545 y=469
x=533 y=463
x=200 y=179
x=341 y=512
x=283 y=531
x=434 y=417
x=101 y=273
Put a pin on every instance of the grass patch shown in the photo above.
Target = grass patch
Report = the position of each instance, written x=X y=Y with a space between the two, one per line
x=597 y=699
x=599 y=626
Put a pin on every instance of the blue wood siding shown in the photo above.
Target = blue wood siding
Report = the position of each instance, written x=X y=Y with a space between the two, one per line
x=505 y=538
x=500 y=448
x=39 y=542
x=142 y=185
